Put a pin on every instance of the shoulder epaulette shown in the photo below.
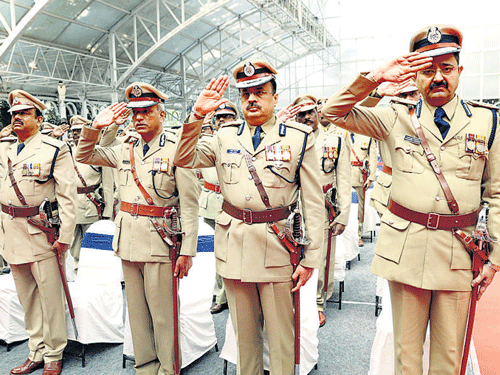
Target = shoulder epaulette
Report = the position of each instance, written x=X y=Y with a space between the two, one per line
x=9 y=138
x=480 y=104
x=295 y=125
x=52 y=141
x=406 y=102
x=132 y=137
x=232 y=123
x=169 y=135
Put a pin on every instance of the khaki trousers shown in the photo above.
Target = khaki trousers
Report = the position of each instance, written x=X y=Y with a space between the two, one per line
x=252 y=305
x=320 y=299
x=412 y=309
x=361 y=205
x=76 y=246
x=149 y=301
x=220 y=291
x=40 y=292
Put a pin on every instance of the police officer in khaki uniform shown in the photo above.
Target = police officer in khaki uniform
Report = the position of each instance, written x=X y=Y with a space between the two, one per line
x=211 y=199
x=249 y=255
x=95 y=193
x=147 y=266
x=40 y=166
x=333 y=152
x=428 y=268
x=363 y=161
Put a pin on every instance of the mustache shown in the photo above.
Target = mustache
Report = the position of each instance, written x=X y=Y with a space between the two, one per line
x=438 y=84
x=253 y=105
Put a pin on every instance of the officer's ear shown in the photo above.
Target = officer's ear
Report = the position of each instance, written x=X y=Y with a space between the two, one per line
x=275 y=99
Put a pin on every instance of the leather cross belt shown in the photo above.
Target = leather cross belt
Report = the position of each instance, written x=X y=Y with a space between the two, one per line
x=249 y=216
x=327 y=187
x=136 y=209
x=387 y=170
x=357 y=163
x=15 y=211
x=433 y=220
x=211 y=187
x=87 y=189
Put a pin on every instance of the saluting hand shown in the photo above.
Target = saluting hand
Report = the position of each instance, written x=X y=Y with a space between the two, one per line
x=5 y=132
x=122 y=119
x=182 y=266
x=401 y=68
x=301 y=274
x=392 y=88
x=484 y=279
x=211 y=96
x=59 y=131
x=109 y=115
x=288 y=113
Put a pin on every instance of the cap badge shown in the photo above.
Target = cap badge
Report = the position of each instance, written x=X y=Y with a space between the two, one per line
x=222 y=106
x=16 y=101
x=434 y=35
x=136 y=91
x=248 y=69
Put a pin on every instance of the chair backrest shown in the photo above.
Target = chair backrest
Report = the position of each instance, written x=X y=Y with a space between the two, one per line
x=98 y=263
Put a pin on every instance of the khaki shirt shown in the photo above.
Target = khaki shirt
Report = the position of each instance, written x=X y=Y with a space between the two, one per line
x=408 y=252
x=253 y=253
x=333 y=153
x=23 y=242
x=365 y=149
x=135 y=238
x=210 y=201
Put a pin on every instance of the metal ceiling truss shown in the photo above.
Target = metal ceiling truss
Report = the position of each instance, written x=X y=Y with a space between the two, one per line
x=274 y=26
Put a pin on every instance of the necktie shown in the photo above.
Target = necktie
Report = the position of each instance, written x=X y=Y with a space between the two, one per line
x=442 y=125
x=145 y=149
x=256 y=137
x=20 y=147
x=352 y=138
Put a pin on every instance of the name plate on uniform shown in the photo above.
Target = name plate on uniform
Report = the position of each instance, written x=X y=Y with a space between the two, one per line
x=414 y=140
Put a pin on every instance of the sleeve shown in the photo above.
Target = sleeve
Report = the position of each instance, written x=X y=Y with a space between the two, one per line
x=343 y=182
x=372 y=160
x=65 y=191
x=193 y=152
x=189 y=191
x=109 y=135
x=340 y=109
x=88 y=153
x=313 y=205
x=107 y=187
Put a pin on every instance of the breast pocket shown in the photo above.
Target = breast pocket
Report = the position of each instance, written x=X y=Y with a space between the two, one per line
x=231 y=168
x=469 y=167
x=275 y=176
x=409 y=157
x=125 y=176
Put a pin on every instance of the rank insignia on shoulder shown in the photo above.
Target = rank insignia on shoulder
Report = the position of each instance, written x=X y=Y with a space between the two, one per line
x=278 y=153
x=476 y=145
x=330 y=152
x=414 y=140
x=233 y=151
x=160 y=165
x=31 y=169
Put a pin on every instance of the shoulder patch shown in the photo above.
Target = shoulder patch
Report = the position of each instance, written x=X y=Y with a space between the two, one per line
x=232 y=123
x=483 y=105
x=9 y=138
x=295 y=125
x=52 y=141
x=405 y=102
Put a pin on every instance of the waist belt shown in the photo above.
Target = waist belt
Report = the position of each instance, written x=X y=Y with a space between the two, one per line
x=211 y=187
x=249 y=216
x=433 y=220
x=87 y=189
x=136 y=209
x=15 y=211
x=387 y=170
x=326 y=188
x=357 y=163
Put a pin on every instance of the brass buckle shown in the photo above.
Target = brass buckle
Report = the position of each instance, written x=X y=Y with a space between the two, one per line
x=432 y=220
x=247 y=216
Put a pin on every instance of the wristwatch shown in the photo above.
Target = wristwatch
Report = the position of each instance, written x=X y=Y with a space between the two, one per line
x=493 y=266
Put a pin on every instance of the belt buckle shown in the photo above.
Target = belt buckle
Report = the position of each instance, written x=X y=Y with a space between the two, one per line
x=134 y=207
x=432 y=220
x=247 y=216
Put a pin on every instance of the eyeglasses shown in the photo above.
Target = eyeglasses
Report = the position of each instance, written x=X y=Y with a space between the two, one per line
x=258 y=93
x=447 y=70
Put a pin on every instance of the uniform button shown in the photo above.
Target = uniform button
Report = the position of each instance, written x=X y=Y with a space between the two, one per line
x=31 y=178
x=249 y=176
x=391 y=222
x=13 y=168
x=135 y=217
x=254 y=158
x=408 y=149
x=136 y=198
x=248 y=197
x=442 y=148
x=143 y=162
x=438 y=198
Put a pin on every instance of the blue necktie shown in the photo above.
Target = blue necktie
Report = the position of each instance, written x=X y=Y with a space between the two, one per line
x=20 y=147
x=256 y=137
x=352 y=138
x=442 y=125
x=145 y=149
